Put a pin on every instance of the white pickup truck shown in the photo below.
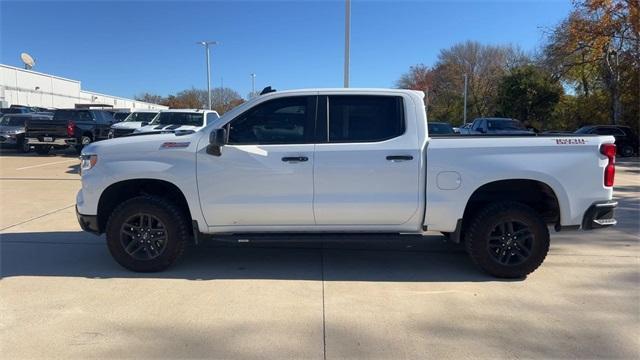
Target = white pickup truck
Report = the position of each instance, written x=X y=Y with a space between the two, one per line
x=327 y=161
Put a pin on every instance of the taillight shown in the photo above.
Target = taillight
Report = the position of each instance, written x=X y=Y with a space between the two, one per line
x=609 y=150
x=71 y=128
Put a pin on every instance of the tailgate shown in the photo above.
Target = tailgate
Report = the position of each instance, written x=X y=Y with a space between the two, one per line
x=46 y=127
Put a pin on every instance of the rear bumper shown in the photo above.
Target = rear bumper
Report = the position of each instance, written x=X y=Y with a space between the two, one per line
x=56 y=141
x=599 y=215
x=88 y=223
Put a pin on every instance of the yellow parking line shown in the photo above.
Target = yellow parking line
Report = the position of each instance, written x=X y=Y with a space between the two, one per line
x=47 y=164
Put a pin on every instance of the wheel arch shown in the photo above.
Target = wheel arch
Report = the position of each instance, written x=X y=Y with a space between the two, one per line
x=534 y=193
x=123 y=190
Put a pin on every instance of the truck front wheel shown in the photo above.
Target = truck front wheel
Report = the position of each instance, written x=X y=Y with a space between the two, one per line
x=507 y=239
x=147 y=234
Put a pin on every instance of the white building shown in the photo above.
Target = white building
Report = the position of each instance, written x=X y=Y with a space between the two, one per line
x=26 y=87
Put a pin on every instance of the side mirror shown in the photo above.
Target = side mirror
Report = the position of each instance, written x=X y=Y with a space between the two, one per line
x=482 y=130
x=217 y=139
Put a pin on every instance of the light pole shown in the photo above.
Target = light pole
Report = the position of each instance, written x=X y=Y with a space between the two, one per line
x=206 y=49
x=253 y=84
x=464 y=121
x=347 y=40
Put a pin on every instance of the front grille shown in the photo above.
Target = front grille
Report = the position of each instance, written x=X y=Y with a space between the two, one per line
x=122 y=132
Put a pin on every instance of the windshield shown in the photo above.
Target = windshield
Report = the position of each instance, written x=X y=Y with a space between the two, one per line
x=504 y=125
x=178 y=118
x=11 y=121
x=13 y=110
x=439 y=129
x=141 y=116
x=120 y=116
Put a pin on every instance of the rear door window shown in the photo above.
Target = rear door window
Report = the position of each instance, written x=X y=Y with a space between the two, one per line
x=364 y=118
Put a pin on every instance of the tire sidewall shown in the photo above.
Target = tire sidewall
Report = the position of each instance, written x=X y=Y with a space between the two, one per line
x=484 y=225
x=173 y=226
x=626 y=151
x=84 y=141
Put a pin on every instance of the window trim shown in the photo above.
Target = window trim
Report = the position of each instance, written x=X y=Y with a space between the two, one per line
x=310 y=121
x=324 y=131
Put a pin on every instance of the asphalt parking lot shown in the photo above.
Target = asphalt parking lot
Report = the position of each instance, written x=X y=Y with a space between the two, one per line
x=62 y=296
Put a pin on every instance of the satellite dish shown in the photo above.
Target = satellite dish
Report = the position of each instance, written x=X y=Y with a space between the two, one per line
x=27 y=60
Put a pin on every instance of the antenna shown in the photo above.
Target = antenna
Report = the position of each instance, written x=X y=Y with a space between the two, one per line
x=267 y=90
x=27 y=60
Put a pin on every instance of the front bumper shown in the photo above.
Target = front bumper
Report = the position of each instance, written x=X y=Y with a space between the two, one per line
x=8 y=139
x=88 y=223
x=599 y=215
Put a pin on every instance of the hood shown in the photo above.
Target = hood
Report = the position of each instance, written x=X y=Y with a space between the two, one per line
x=137 y=144
x=127 y=125
x=11 y=129
x=150 y=128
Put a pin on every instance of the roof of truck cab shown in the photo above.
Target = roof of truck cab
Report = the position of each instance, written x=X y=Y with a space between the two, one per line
x=345 y=90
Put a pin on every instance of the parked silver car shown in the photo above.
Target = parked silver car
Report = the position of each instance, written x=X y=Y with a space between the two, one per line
x=12 y=129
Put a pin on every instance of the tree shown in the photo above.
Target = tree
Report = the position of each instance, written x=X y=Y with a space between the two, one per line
x=149 y=97
x=186 y=99
x=419 y=77
x=529 y=94
x=484 y=65
x=225 y=99
x=598 y=45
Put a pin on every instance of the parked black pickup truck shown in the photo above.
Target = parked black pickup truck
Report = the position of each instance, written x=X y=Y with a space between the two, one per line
x=69 y=127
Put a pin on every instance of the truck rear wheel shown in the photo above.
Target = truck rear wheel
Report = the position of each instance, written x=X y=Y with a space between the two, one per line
x=84 y=141
x=147 y=234
x=507 y=239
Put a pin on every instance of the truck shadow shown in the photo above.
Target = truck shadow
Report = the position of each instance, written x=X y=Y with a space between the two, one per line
x=406 y=259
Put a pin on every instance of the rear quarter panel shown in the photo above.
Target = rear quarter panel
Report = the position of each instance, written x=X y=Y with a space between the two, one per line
x=571 y=166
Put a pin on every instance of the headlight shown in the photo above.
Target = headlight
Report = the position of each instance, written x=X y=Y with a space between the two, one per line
x=87 y=162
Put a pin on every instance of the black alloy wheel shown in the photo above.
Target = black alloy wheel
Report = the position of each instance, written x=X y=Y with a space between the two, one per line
x=510 y=243
x=143 y=236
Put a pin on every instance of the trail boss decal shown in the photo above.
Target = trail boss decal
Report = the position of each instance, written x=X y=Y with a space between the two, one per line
x=174 y=145
x=570 y=141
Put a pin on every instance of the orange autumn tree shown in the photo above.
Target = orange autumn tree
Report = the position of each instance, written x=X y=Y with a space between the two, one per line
x=597 y=44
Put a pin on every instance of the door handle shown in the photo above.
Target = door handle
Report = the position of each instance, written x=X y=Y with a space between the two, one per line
x=399 y=157
x=295 y=158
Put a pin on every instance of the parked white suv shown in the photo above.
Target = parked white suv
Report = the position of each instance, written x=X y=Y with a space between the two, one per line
x=182 y=120
x=135 y=120
x=343 y=161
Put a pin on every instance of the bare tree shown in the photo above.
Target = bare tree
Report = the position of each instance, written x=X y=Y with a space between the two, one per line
x=149 y=97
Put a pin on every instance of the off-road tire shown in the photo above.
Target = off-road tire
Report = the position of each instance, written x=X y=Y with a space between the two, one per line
x=486 y=221
x=175 y=223
x=84 y=141
x=626 y=151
